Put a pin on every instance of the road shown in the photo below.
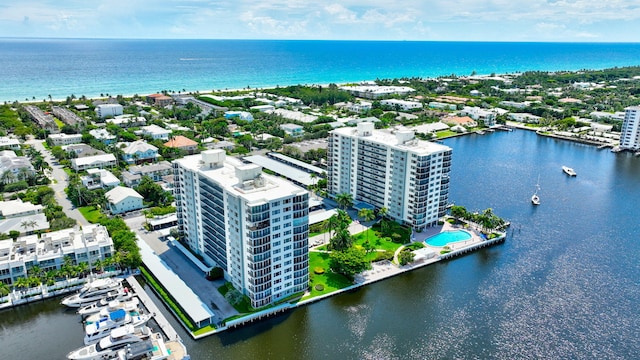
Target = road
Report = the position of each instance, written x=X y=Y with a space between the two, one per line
x=60 y=181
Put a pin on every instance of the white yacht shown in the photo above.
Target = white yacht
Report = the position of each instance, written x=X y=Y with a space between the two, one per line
x=93 y=292
x=108 y=346
x=105 y=314
x=569 y=171
x=154 y=348
x=99 y=329
x=124 y=301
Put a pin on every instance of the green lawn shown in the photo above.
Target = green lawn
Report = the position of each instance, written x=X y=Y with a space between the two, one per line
x=445 y=133
x=92 y=214
x=380 y=243
x=58 y=122
x=329 y=280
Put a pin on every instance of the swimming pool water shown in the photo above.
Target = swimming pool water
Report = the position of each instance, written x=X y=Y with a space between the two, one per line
x=447 y=237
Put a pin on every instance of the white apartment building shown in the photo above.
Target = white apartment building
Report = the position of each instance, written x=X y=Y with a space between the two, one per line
x=252 y=225
x=409 y=177
x=401 y=104
x=476 y=113
x=64 y=139
x=89 y=244
x=106 y=110
x=630 y=134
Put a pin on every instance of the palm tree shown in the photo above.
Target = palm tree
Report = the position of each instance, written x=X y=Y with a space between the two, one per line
x=383 y=221
x=341 y=241
x=7 y=177
x=314 y=178
x=366 y=215
x=21 y=283
x=345 y=200
x=4 y=289
x=28 y=224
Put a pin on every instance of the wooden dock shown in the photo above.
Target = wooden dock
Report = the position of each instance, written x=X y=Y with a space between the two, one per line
x=151 y=307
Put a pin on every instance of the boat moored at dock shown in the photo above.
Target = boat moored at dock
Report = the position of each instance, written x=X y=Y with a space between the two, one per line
x=93 y=291
x=108 y=346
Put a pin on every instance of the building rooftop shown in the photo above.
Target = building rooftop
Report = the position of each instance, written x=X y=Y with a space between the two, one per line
x=119 y=193
x=180 y=141
x=246 y=181
x=139 y=146
x=10 y=208
x=96 y=159
x=400 y=138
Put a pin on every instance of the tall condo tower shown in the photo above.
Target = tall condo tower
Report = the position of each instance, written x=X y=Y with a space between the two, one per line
x=252 y=225
x=391 y=169
x=630 y=134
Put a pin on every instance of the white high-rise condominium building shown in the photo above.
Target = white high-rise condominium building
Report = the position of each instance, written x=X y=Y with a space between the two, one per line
x=630 y=134
x=252 y=225
x=407 y=176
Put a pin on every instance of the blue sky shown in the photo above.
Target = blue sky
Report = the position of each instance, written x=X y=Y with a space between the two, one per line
x=466 y=20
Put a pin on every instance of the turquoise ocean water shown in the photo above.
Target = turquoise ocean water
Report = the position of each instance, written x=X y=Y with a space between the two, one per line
x=60 y=67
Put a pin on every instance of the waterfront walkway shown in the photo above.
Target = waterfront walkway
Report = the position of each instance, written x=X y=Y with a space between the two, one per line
x=151 y=307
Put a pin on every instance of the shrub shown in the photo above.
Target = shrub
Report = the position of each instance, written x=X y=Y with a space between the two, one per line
x=386 y=255
x=215 y=274
x=318 y=270
x=319 y=287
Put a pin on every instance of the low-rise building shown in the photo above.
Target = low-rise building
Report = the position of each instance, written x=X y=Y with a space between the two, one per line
x=127 y=121
x=159 y=99
x=401 y=104
x=139 y=151
x=18 y=208
x=67 y=116
x=292 y=129
x=460 y=120
x=64 y=139
x=155 y=171
x=48 y=252
x=96 y=161
x=99 y=178
x=103 y=136
x=155 y=132
x=524 y=117
x=7 y=143
x=242 y=115
x=479 y=114
x=182 y=143
x=123 y=199
x=376 y=92
x=108 y=110
x=359 y=107
x=44 y=121
x=14 y=168
x=263 y=108
x=442 y=106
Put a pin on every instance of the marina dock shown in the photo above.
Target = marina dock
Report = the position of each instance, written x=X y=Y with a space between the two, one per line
x=151 y=307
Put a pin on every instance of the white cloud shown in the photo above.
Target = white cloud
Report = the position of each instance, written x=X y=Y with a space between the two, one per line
x=348 y=19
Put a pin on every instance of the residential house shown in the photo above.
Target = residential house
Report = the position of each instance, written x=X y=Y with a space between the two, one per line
x=460 y=120
x=155 y=171
x=263 y=108
x=479 y=114
x=292 y=129
x=127 y=121
x=96 y=161
x=159 y=100
x=14 y=168
x=99 y=179
x=242 y=115
x=182 y=143
x=103 y=136
x=123 y=199
x=44 y=121
x=155 y=132
x=139 y=151
x=7 y=143
x=524 y=117
x=23 y=217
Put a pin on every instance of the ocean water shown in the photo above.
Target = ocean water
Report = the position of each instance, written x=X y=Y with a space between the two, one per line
x=37 y=68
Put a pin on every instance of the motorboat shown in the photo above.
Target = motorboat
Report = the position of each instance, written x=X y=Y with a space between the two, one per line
x=100 y=329
x=106 y=313
x=108 y=346
x=154 y=348
x=569 y=171
x=120 y=300
x=93 y=292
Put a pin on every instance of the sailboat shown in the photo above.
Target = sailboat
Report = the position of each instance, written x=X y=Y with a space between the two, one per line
x=535 y=199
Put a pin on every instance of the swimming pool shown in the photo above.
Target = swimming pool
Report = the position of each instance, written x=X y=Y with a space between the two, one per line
x=447 y=237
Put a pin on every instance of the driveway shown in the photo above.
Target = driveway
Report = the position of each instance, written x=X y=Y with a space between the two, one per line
x=59 y=183
x=185 y=269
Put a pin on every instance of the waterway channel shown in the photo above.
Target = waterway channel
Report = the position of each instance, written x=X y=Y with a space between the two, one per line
x=565 y=284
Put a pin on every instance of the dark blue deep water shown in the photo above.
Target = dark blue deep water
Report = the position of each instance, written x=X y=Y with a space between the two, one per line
x=60 y=67
x=565 y=284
